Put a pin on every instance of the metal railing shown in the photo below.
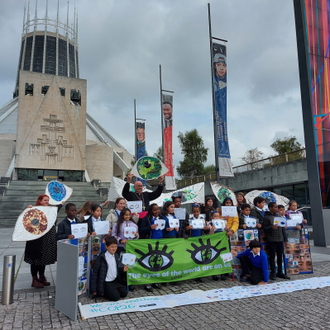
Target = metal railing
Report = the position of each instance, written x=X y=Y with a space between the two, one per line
x=258 y=165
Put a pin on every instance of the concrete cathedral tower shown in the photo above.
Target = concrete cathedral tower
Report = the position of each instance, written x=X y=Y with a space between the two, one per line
x=45 y=131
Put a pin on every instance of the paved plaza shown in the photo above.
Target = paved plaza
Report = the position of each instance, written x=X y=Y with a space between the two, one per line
x=35 y=308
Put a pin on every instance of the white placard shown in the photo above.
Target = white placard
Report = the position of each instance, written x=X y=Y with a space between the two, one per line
x=250 y=222
x=292 y=223
x=180 y=213
x=197 y=223
x=231 y=211
x=219 y=224
x=128 y=259
x=79 y=230
x=281 y=222
x=81 y=261
x=226 y=257
x=130 y=232
x=101 y=227
x=174 y=223
x=135 y=206
x=297 y=217
x=161 y=224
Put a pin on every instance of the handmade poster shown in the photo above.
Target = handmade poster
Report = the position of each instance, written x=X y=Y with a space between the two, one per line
x=248 y=235
x=197 y=223
x=128 y=259
x=79 y=230
x=281 y=222
x=231 y=211
x=161 y=224
x=269 y=197
x=58 y=192
x=149 y=168
x=174 y=223
x=219 y=224
x=226 y=257
x=180 y=213
x=130 y=232
x=292 y=223
x=237 y=238
x=135 y=206
x=102 y=227
x=297 y=252
x=168 y=260
x=34 y=223
x=146 y=303
x=250 y=222
x=221 y=192
x=188 y=195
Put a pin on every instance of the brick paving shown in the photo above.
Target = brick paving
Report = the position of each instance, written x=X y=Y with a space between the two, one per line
x=308 y=309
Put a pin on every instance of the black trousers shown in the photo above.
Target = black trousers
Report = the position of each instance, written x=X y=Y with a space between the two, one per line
x=37 y=269
x=275 y=248
x=257 y=275
x=115 y=290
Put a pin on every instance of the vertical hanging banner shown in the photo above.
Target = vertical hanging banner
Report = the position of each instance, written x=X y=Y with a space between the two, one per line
x=219 y=66
x=140 y=142
x=167 y=117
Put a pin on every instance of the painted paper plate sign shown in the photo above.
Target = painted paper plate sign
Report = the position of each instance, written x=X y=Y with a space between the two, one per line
x=149 y=168
x=221 y=192
x=58 y=192
x=268 y=196
x=34 y=223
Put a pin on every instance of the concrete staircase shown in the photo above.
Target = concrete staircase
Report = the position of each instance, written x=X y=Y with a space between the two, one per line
x=20 y=194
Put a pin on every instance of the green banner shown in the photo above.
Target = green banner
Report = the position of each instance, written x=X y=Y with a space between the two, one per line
x=177 y=259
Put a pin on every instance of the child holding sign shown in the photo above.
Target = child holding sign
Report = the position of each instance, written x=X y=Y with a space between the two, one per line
x=232 y=222
x=151 y=226
x=195 y=232
x=245 y=216
x=108 y=273
x=125 y=228
x=169 y=217
x=254 y=264
x=292 y=211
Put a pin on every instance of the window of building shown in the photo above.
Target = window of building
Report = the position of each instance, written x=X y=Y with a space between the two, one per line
x=62 y=91
x=75 y=97
x=44 y=90
x=28 y=89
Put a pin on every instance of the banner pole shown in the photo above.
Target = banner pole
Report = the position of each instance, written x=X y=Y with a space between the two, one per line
x=213 y=101
x=135 y=139
x=161 y=110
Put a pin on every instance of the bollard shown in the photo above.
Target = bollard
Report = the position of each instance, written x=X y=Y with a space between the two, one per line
x=8 y=280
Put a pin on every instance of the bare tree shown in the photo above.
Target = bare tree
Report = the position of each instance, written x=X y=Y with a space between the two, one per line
x=251 y=157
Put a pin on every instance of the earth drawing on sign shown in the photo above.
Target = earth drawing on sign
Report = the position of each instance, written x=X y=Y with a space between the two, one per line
x=149 y=168
x=57 y=191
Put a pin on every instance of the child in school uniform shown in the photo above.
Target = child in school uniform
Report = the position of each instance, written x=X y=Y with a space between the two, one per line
x=257 y=212
x=232 y=222
x=168 y=214
x=64 y=228
x=118 y=230
x=96 y=212
x=293 y=206
x=108 y=276
x=196 y=212
x=245 y=214
x=281 y=211
x=149 y=229
x=254 y=264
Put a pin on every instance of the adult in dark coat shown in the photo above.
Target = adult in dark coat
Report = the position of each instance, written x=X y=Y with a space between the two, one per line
x=138 y=195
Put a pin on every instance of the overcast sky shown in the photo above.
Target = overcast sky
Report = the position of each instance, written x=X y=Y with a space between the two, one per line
x=122 y=43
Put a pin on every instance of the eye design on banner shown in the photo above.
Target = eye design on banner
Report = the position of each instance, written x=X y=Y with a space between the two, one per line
x=57 y=190
x=206 y=253
x=155 y=259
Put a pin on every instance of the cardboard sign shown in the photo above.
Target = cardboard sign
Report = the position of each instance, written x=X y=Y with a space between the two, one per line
x=160 y=224
x=130 y=232
x=250 y=222
x=219 y=224
x=281 y=222
x=79 y=230
x=135 y=206
x=197 y=223
x=180 y=213
x=174 y=223
x=102 y=227
x=231 y=211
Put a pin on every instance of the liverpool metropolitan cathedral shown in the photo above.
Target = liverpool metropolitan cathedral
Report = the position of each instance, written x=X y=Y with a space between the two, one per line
x=45 y=130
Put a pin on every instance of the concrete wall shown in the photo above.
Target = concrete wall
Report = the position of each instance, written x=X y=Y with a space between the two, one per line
x=278 y=175
x=99 y=162
x=51 y=130
x=7 y=148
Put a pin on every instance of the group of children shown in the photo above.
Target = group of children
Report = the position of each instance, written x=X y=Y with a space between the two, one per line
x=108 y=278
